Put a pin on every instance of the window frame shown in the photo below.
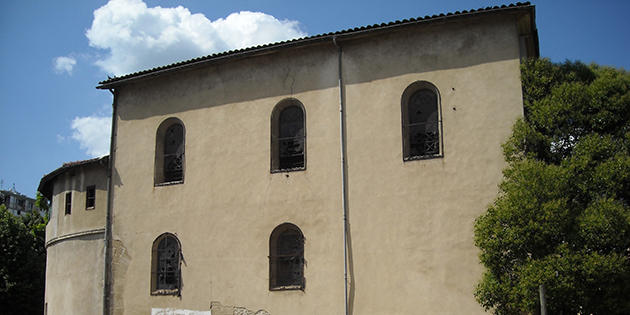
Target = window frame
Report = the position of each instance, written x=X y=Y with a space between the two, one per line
x=68 y=203
x=275 y=148
x=405 y=124
x=160 y=178
x=90 y=199
x=155 y=260
x=297 y=283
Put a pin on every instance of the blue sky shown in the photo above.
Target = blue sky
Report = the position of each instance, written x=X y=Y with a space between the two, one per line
x=54 y=52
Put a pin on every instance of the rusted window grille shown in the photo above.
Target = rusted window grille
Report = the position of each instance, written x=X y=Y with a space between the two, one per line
x=166 y=266
x=174 y=153
x=422 y=125
x=287 y=259
x=69 y=203
x=90 y=197
x=290 y=140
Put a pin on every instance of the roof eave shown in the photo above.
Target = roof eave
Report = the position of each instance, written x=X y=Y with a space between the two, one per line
x=45 y=184
x=316 y=39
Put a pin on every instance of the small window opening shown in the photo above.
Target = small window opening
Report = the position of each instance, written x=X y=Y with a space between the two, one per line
x=69 y=203
x=90 y=197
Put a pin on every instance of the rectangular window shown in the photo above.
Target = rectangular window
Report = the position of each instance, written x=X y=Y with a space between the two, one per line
x=68 y=203
x=90 y=197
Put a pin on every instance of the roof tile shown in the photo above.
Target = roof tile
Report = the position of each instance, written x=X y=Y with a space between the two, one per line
x=111 y=81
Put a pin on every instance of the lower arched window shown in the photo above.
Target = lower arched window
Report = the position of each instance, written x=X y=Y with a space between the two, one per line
x=286 y=258
x=166 y=265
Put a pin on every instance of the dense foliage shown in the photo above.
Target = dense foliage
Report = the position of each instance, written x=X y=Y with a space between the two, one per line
x=562 y=218
x=22 y=263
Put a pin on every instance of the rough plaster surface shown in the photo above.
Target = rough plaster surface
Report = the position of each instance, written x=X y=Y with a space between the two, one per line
x=218 y=309
x=170 y=311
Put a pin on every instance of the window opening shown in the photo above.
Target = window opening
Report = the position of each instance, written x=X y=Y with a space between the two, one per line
x=69 y=203
x=286 y=258
x=169 y=152
x=173 y=153
x=90 y=197
x=288 y=142
x=166 y=265
x=421 y=122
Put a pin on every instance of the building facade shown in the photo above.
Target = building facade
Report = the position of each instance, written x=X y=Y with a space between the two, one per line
x=339 y=173
x=18 y=204
x=75 y=257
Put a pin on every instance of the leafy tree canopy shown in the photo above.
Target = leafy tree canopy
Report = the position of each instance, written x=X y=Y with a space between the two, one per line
x=562 y=218
x=43 y=204
x=22 y=262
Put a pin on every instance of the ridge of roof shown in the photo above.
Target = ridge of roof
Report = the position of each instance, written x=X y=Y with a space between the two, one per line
x=112 y=81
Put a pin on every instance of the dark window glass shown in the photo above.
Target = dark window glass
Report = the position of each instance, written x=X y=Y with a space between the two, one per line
x=421 y=122
x=289 y=259
x=424 y=137
x=166 y=266
x=90 y=197
x=288 y=137
x=173 y=153
x=286 y=258
x=291 y=140
x=68 y=203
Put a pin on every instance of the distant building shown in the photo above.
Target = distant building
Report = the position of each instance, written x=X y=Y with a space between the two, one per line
x=334 y=174
x=17 y=203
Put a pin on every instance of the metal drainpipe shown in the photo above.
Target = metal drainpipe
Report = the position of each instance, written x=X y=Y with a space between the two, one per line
x=344 y=189
x=110 y=200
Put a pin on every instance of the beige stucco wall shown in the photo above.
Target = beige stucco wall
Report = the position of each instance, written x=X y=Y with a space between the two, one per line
x=74 y=276
x=74 y=243
x=75 y=181
x=410 y=222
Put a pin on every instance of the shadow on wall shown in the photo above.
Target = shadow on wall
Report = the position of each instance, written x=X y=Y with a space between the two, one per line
x=431 y=47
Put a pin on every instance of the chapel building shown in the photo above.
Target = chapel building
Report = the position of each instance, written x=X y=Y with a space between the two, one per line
x=334 y=174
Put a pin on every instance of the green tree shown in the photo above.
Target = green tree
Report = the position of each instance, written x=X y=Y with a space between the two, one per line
x=43 y=204
x=22 y=263
x=562 y=218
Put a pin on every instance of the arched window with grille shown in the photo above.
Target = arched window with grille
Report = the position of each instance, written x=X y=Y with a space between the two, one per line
x=286 y=258
x=166 y=265
x=421 y=122
x=169 y=152
x=288 y=137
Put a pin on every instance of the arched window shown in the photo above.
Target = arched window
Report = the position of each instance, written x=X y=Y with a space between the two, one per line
x=165 y=265
x=288 y=137
x=421 y=122
x=169 y=152
x=286 y=258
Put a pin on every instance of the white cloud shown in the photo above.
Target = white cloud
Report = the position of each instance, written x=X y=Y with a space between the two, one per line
x=139 y=37
x=64 y=64
x=93 y=134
